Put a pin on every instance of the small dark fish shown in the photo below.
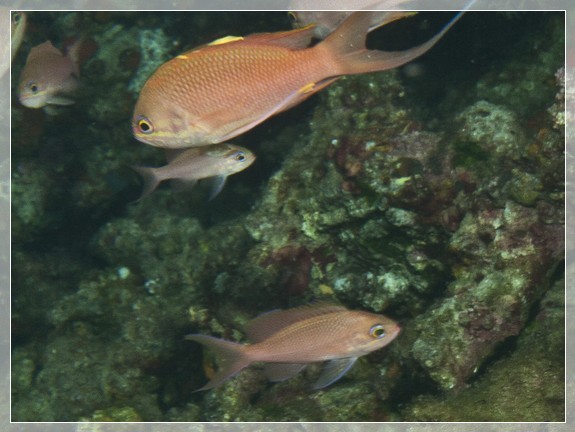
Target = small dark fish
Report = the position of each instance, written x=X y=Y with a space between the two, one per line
x=288 y=340
x=216 y=161
x=49 y=77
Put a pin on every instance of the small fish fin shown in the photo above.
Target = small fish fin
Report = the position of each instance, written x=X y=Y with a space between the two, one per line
x=269 y=323
x=151 y=180
x=231 y=357
x=60 y=100
x=276 y=372
x=73 y=53
x=180 y=185
x=294 y=39
x=347 y=44
x=217 y=184
x=334 y=370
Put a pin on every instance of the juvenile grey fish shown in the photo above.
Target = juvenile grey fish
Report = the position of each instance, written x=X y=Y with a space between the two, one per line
x=288 y=340
x=216 y=162
x=49 y=77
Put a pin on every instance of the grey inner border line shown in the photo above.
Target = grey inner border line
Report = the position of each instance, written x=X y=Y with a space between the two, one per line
x=6 y=5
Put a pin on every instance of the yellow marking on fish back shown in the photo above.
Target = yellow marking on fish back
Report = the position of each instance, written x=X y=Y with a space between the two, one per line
x=226 y=39
x=307 y=88
x=182 y=57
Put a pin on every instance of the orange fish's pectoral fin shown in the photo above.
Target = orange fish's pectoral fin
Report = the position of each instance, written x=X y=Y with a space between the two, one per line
x=334 y=370
x=276 y=372
x=293 y=99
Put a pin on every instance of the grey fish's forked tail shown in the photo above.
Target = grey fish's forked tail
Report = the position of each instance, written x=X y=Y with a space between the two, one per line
x=150 y=179
x=231 y=356
x=347 y=43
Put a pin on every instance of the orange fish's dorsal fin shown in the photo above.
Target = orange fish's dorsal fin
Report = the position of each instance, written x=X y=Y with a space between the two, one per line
x=269 y=323
x=293 y=39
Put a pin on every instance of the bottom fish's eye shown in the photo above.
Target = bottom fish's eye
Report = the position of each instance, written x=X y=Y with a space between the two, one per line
x=240 y=156
x=377 y=331
x=33 y=86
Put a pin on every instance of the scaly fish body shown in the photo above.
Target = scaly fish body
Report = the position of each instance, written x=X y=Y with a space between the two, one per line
x=291 y=339
x=49 y=77
x=214 y=93
x=218 y=161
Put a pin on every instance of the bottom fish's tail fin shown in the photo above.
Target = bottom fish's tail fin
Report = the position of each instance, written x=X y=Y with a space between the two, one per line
x=347 y=44
x=151 y=180
x=231 y=356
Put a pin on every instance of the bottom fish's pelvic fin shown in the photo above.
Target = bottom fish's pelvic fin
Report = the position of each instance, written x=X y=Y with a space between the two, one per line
x=334 y=370
x=231 y=357
x=216 y=184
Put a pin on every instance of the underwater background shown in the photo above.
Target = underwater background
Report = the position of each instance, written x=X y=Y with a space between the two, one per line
x=433 y=194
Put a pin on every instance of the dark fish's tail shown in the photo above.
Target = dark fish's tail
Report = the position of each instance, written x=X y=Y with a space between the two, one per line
x=347 y=44
x=151 y=180
x=231 y=356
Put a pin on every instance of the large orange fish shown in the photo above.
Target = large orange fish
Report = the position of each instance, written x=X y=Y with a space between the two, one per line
x=218 y=91
x=288 y=340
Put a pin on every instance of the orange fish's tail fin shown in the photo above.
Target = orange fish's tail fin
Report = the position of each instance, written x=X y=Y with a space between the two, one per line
x=232 y=358
x=151 y=180
x=347 y=44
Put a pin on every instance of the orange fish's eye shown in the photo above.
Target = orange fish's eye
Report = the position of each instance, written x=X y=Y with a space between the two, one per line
x=144 y=125
x=377 y=331
x=240 y=156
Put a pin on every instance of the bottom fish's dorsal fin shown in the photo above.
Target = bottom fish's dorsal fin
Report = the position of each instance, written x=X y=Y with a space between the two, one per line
x=269 y=323
x=334 y=370
x=282 y=371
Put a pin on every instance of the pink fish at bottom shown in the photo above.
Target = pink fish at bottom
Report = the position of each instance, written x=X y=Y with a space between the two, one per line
x=288 y=340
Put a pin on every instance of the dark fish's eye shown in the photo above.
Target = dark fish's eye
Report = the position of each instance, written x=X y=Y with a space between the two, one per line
x=377 y=331
x=240 y=156
x=16 y=17
x=33 y=86
x=144 y=125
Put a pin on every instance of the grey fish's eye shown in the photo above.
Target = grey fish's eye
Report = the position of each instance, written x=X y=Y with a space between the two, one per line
x=240 y=156
x=377 y=331
x=32 y=86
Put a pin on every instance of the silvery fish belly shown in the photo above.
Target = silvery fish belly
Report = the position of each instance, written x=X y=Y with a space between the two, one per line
x=288 y=340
